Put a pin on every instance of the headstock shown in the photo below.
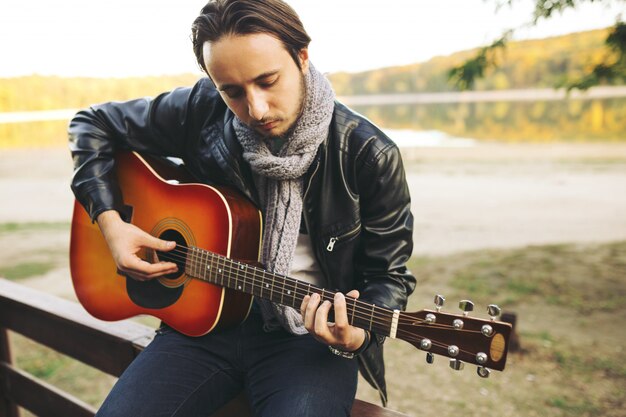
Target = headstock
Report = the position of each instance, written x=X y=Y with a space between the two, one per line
x=458 y=336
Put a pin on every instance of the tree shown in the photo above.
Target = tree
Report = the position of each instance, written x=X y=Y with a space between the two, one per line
x=611 y=70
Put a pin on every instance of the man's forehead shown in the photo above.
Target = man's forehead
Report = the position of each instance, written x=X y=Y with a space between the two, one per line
x=236 y=59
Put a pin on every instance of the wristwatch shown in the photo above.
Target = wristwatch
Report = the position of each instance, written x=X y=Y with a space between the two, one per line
x=351 y=355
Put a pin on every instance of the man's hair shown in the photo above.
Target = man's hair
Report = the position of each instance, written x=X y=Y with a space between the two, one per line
x=221 y=18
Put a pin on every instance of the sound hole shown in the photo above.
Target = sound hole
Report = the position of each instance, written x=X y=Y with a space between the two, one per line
x=165 y=291
x=177 y=255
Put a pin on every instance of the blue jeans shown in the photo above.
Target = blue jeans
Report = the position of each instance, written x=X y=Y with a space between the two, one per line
x=281 y=374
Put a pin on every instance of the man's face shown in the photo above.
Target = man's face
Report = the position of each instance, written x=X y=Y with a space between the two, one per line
x=258 y=80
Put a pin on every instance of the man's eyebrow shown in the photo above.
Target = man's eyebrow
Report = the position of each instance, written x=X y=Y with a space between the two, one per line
x=255 y=79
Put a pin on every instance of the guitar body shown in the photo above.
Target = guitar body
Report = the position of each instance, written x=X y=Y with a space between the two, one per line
x=163 y=200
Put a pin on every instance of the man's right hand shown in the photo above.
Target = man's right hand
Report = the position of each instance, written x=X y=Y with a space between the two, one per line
x=126 y=240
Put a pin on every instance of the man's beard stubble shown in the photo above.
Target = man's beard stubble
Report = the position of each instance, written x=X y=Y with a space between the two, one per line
x=287 y=134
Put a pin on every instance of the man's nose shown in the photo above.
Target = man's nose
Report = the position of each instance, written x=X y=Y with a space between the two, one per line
x=257 y=106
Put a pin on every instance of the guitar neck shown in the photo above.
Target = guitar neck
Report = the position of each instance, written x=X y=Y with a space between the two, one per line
x=225 y=272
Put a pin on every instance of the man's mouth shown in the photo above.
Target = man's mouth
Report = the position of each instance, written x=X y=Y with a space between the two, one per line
x=269 y=125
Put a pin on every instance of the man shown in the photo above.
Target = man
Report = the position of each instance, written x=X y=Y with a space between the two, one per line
x=336 y=209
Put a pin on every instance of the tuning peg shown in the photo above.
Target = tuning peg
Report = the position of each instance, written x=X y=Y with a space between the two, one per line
x=493 y=311
x=456 y=364
x=466 y=306
x=483 y=372
x=430 y=358
x=439 y=301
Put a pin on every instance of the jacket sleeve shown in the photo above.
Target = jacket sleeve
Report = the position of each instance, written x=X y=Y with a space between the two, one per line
x=386 y=227
x=163 y=125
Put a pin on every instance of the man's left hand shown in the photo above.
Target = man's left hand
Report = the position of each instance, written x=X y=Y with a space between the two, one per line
x=340 y=334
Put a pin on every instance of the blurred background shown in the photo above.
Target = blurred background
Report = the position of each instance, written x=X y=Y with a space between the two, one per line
x=511 y=116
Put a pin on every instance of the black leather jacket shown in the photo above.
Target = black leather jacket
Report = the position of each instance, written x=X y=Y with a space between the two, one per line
x=356 y=203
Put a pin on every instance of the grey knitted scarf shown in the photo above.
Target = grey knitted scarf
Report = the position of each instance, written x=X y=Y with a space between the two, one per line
x=280 y=184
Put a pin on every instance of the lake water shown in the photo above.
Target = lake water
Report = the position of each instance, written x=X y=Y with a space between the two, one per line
x=414 y=125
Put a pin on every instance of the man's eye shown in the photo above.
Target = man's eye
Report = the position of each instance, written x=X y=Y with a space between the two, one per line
x=268 y=83
x=233 y=93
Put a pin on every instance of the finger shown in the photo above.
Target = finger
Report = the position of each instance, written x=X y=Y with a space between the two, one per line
x=142 y=276
x=311 y=308
x=350 y=301
x=321 y=322
x=303 y=305
x=341 y=315
x=158 y=244
x=137 y=265
x=353 y=294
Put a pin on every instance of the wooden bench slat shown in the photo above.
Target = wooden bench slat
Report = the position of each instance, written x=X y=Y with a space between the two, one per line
x=66 y=327
x=109 y=346
x=39 y=397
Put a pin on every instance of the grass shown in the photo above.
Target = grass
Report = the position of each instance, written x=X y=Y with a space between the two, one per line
x=7 y=228
x=568 y=301
x=555 y=274
x=26 y=270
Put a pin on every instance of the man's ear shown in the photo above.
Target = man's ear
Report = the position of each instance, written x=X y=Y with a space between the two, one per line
x=303 y=56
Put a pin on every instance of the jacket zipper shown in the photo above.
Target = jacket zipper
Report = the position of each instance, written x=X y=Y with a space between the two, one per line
x=335 y=239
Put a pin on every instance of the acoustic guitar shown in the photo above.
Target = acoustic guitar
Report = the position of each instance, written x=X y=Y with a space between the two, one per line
x=218 y=235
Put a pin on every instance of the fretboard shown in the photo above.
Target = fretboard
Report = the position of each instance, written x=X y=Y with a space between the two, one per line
x=225 y=272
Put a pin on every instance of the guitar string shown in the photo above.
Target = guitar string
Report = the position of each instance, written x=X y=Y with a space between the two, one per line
x=362 y=310
x=291 y=284
x=230 y=268
x=365 y=308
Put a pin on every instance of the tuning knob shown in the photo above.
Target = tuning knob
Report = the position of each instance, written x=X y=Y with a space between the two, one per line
x=430 y=358
x=439 y=301
x=466 y=306
x=483 y=372
x=493 y=311
x=456 y=364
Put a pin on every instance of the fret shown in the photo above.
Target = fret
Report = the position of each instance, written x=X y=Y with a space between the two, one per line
x=209 y=267
x=264 y=286
x=271 y=289
x=241 y=271
x=282 y=292
x=295 y=291
x=196 y=268
x=244 y=276
x=219 y=279
x=190 y=261
x=254 y=270
x=188 y=264
x=233 y=277
x=203 y=270
x=253 y=280
x=241 y=280
x=220 y=271
x=372 y=317
x=353 y=309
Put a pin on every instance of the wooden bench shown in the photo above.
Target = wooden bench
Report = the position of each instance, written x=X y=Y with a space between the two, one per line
x=67 y=328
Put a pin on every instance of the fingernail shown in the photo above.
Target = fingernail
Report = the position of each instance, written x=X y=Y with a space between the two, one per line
x=338 y=296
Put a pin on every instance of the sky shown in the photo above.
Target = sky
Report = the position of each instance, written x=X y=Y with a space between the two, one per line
x=118 y=38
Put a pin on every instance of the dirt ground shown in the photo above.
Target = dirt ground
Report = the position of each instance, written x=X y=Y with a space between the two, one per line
x=464 y=199
x=485 y=196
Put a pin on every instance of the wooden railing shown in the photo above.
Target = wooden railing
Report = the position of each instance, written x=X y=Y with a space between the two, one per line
x=67 y=328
